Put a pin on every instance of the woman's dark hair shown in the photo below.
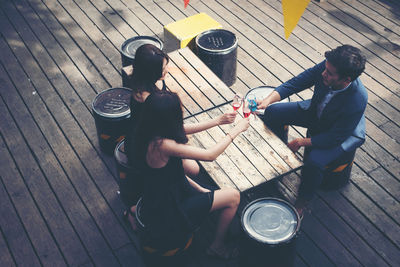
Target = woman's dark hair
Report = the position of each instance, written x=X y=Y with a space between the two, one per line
x=148 y=67
x=161 y=117
x=348 y=61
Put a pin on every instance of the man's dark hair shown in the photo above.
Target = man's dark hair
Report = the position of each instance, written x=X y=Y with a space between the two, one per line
x=348 y=61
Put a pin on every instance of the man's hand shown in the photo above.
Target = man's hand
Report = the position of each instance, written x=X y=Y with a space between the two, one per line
x=262 y=104
x=299 y=142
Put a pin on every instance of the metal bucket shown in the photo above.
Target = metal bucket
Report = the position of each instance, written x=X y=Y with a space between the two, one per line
x=337 y=173
x=270 y=228
x=218 y=50
x=111 y=114
x=129 y=47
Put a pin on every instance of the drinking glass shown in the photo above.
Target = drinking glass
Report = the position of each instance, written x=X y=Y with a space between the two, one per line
x=246 y=109
x=252 y=99
x=236 y=102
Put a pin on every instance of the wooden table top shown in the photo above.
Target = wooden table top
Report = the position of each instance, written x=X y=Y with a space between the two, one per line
x=255 y=156
x=197 y=86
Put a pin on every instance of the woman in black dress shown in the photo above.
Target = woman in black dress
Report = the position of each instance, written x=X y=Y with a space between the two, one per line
x=173 y=204
x=150 y=69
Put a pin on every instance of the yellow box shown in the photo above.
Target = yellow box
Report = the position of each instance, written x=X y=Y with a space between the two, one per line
x=180 y=33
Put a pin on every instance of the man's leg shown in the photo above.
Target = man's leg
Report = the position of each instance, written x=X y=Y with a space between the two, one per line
x=278 y=115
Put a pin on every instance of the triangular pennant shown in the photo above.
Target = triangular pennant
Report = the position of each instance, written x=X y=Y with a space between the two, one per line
x=186 y=2
x=292 y=11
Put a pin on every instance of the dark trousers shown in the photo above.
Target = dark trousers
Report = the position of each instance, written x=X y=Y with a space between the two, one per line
x=278 y=115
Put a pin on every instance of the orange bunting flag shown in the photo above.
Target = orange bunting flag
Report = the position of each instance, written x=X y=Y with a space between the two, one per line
x=292 y=11
x=186 y=2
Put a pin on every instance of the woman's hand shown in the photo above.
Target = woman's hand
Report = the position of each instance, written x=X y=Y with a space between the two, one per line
x=241 y=126
x=227 y=118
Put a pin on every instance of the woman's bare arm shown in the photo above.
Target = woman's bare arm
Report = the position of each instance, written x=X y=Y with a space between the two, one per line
x=170 y=148
x=201 y=126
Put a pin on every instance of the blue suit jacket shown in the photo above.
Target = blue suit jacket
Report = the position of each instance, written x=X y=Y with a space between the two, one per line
x=342 y=121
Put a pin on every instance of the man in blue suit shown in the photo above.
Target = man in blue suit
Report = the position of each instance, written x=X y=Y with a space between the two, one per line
x=334 y=116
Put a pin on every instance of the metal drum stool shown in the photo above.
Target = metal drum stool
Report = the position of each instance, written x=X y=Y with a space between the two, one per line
x=111 y=113
x=270 y=226
x=218 y=50
x=129 y=47
x=337 y=173
x=156 y=257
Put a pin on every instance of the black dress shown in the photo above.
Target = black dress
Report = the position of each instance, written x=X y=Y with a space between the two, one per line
x=172 y=209
x=131 y=187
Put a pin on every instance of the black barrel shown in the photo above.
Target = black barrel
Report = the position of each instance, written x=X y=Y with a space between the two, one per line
x=337 y=173
x=154 y=257
x=262 y=92
x=218 y=50
x=129 y=47
x=111 y=113
x=270 y=228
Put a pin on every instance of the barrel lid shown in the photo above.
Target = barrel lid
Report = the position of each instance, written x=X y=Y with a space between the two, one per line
x=270 y=220
x=112 y=103
x=260 y=93
x=216 y=40
x=129 y=47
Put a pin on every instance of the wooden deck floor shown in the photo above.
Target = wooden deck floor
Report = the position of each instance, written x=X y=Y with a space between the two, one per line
x=58 y=192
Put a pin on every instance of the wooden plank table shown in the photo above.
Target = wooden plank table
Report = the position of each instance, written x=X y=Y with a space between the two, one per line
x=197 y=86
x=255 y=156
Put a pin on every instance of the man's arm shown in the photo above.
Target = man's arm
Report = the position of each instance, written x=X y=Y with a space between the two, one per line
x=304 y=80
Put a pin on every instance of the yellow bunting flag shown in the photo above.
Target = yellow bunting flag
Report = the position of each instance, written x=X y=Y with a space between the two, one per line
x=292 y=11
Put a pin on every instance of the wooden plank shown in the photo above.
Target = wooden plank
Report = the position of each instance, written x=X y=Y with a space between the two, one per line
x=96 y=82
x=129 y=256
x=247 y=153
x=208 y=75
x=386 y=28
x=92 y=32
x=5 y=255
x=243 y=154
x=328 y=243
x=18 y=242
x=350 y=213
x=368 y=30
x=194 y=74
x=240 y=181
x=392 y=130
x=42 y=192
x=186 y=84
x=387 y=199
x=72 y=164
x=41 y=237
x=51 y=164
x=90 y=47
x=79 y=91
x=352 y=241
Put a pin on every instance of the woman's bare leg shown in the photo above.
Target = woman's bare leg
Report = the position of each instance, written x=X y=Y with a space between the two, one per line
x=226 y=200
x=191 y=167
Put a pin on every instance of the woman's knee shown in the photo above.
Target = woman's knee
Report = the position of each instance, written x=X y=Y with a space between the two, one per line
x=234 y=197
x=226 y=198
